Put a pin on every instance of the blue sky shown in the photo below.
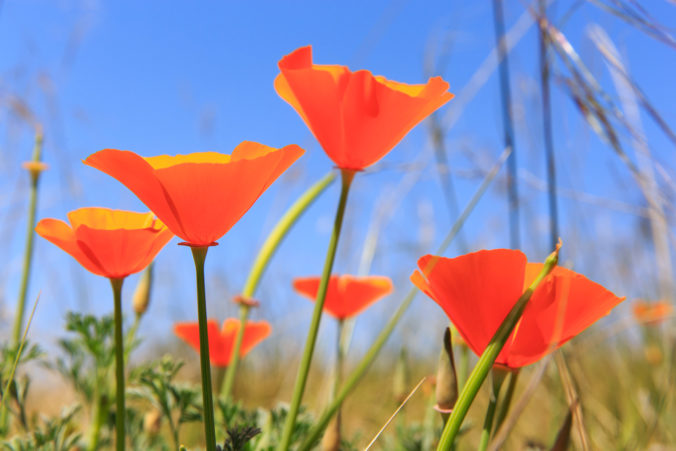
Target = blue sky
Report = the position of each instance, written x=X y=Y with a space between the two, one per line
x=161 y=78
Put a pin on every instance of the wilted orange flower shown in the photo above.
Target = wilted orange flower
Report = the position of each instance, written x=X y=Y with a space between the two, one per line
x=199 y=196
x=222 y=342
x=110 y=243
x=652 y=312
x=477 y=291
x=346 y=295
x=356 y=117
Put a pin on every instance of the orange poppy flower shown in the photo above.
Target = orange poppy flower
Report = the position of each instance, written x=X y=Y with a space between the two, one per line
x=477 y=291
x=356 y=117
x=199 y=196
x=652 y=313
x=347 y=295
x=110 y=243
x=221 y=343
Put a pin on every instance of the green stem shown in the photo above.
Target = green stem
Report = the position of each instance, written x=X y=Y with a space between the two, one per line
x=338 y=376
x=463 y=367
x=356 y=375
x=263 y=258
x=301 y=379
x=498 y=377
x=488 y=357
x=119 y=366
x=199 y=255
x=99 y=415
x=229 y=379
x=503 y=408
x=30 y=234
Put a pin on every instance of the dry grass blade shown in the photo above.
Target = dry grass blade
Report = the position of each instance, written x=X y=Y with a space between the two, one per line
x=563 y=437
x=573 y=400
x=639 y=18
x=401 y=406
x=519 y=406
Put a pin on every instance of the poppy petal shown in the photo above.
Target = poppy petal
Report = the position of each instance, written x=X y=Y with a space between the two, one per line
x=138 y=176
x=219 y=354
x=254 y=333
x=211 y=198
x=476 y=290
x=347 y=296
x=60 y=234
x=122 y=252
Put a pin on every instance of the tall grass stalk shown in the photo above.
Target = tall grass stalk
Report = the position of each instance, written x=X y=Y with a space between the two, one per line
x=30 y=235
x=547 y=127
x=508 y=125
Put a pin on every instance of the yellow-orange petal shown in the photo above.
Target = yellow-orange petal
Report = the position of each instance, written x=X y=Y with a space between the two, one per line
x=347 y=295
x=109 y=243
x=138 y=176
x=200 y=196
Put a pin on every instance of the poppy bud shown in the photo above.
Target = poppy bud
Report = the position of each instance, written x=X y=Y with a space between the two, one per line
x=401 y=377
x=331 y=439
x=142 y=293
x=152 y=421
x=447 y=381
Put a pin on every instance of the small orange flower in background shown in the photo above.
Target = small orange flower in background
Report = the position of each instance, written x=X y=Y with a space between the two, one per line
x=356 y=117
x=347 y=295
x=199 y=196
x=222 y=342
x=109 y=243
x=477 y=290
x=652 y=313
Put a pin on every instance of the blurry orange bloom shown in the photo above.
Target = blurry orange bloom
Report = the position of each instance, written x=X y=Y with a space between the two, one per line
x=347 y=295
x=477 y=291
x=110 y=243
x=356 y=117
x=222 y=342
x=199 y=196
x=652 y=312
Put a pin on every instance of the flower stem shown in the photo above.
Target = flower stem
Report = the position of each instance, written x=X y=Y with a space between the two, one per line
x=30 y=234
x=301 y=379
x=119 y=366
x=231 y=371
x=263 y=258
x=199 y=255
x=488 y=357
x=498 y=377
x=365 y=363
x=503 y=407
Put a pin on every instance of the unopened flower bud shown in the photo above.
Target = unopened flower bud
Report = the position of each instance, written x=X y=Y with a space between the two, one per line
x=331 y=439
x=152 y=421
x=447 y=381
x=142 y=293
